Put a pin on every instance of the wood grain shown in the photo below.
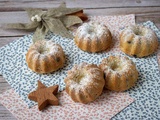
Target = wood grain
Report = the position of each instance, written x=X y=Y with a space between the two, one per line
x=12 y=11
x=7 y=5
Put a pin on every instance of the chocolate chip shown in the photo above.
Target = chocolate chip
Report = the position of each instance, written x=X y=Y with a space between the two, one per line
x=104 y=75
x=58 y=59
x=128 y=42
x=135 y=56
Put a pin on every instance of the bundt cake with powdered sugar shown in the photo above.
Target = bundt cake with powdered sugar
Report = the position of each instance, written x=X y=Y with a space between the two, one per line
x=120 y=73
x=45 y=56
x=138 y=41
x=93 y=37
x=84 y=82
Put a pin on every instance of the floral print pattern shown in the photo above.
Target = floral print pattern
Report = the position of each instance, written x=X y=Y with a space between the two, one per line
x=106 y=106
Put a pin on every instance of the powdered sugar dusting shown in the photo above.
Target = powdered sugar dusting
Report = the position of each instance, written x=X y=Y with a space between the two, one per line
x=86 y=80
x=126 y=63
x=91 y=30
x=82 y=76
x=52 y=47
x=140 y=31
x=46 y=47
x=122 y=64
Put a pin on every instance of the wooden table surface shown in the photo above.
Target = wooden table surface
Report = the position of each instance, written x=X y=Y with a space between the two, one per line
x=12 y=12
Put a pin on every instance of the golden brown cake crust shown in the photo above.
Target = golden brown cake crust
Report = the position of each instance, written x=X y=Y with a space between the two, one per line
x=45 y=57
x=84 y=82
x=120 y=73
x=138 y=41
x=93 y=37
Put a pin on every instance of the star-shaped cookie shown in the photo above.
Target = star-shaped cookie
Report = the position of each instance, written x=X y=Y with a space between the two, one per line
x=44 y=95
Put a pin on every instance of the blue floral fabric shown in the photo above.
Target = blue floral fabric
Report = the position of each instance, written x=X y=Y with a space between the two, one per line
x=147 y=90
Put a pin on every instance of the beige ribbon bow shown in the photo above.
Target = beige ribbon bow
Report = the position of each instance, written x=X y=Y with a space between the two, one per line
x=56 y=20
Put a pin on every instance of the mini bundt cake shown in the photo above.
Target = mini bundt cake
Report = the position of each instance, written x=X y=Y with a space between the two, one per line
x=84 y=82
x=93 y=37
x=138 y=41
x=45 y=56
x=120 y=73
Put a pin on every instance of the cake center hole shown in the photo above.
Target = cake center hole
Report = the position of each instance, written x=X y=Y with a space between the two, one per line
x=91 y=30
x=116 y=66
x=139 y=32
x=79 y=78
x=43 y=50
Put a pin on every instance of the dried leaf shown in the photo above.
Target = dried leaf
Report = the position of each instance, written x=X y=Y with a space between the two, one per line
x=24 y=26
x=46 y=26
x=39 y=34
x=32 y=12
x=68 y=21
x=62 y=10
x=66 y=10
x=56 y=26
